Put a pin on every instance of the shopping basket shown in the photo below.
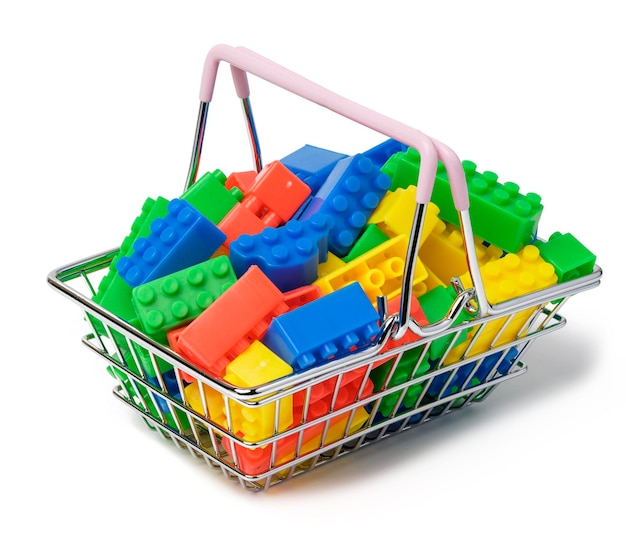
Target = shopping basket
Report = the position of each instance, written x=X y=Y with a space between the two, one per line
x=414 y=370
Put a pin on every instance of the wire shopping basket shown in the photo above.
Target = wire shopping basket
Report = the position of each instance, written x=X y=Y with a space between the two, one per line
x=415 y=367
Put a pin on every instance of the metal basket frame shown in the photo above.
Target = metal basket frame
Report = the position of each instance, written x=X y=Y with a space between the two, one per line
x=130 y=354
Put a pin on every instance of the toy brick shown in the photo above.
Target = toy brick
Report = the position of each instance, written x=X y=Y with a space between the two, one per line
x=381 y=153
x=332 y=263
x=435 y=305
x=258 y=461
x=244 y=181
x=300 y=296
x=182 y=238
x=403 y=168
x=177 y=299
x=255 y=366
x=394 y=215
x=276 y=195
x=379 y=271
x=393 y=308
x=214 y=400
x=210 y=197
x=312 y=164
x=231 y=323
x=114 y=294
x=327 y=328
x=570 y=258
x=509 y=277
x=289 y=255
x=321 y=395
x=240 y=221
x=500 y=214
x=349 y=195
x=443 y=252
x=371 y=237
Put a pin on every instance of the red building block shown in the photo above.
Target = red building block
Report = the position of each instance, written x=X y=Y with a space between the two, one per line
x=393 y=307
x=302 y=295
x=272 y=200
x=242 y=180
x=229 y=325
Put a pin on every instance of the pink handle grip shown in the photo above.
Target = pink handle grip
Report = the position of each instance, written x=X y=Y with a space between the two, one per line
x=243 y=60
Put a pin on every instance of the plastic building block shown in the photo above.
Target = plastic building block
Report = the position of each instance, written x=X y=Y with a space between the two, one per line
x=231 y=323
x=114 y=294
x=379 y=271
x=244 y=181
x=171 y=387
x=327 y=328
x=393 y=308
x=403 y=168
x=240 y=221
x=210 y=197
x=500 y=214
x=332 y=394
x=570 y=258
x=273 y=199
x=213 y=399
x=394 y=215
x=289 y=255
x=349 y=195
x=407 y=368
x=511 y=276
x=255 y=366
x=177 y=299
x=443 y=252
x=332 y=263
x=257 y=461
x=381 y=153
x=370 y=238
x=181 y=239
x=435 y=304
x=312 y=164
x=300 y=296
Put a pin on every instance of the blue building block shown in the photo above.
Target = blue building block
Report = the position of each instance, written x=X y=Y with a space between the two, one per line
x=381 y=153
x=489 y=362
x=312 y=164
x=289 y=255
x=349 y=195
x=171 y=385
x=182 y=238
x=327 y=328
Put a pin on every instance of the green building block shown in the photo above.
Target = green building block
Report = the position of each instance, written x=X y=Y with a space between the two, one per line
x=435 y=304
x=402 y=374
x=403 y=168
x=371 y=237
x=209 y=196
x=114 y=294
x=150 y=406
x=500 y=214
x=570 y=258
x=177 y=299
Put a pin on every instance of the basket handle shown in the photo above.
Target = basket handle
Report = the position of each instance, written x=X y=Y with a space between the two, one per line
x=243 y=61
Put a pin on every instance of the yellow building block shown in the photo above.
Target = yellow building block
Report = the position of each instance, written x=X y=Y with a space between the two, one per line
x=332 y=263
x=336 y=431
x=443 y=252
x=214 y=402
x=255 y=366
x=509 y=277
x=394 y=215
x=378 y=271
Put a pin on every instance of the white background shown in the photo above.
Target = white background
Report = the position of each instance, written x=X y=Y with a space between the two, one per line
x=98 y=106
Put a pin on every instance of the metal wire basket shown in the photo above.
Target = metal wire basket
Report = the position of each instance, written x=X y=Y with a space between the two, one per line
x=314 y=417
